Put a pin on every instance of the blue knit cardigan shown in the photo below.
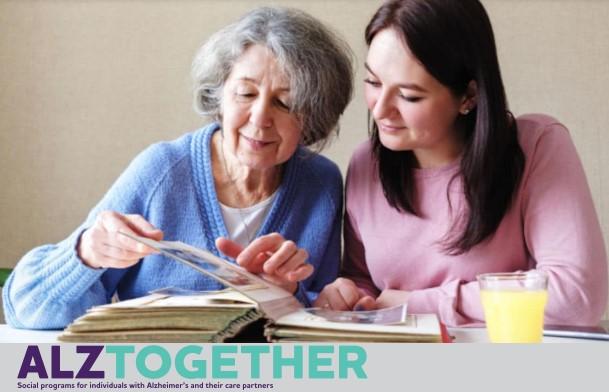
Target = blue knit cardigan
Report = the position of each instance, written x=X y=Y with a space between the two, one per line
x=171 y=185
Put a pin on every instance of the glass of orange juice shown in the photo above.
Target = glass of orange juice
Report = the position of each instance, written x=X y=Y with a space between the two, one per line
x=514 y=304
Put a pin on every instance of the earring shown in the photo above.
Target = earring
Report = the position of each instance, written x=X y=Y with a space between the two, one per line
x=465 y=111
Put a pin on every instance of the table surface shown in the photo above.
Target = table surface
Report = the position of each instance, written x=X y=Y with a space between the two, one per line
x=460 y=335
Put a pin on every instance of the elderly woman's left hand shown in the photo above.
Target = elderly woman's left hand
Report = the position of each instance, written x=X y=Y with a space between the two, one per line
x=272 y=256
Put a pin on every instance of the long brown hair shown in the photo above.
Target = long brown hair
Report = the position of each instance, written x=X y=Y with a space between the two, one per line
x=454 y=41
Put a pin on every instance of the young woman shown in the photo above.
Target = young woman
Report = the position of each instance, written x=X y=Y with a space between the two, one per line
x=451 y=185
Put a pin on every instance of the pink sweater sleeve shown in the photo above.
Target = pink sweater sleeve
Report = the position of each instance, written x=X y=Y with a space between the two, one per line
x=562 y=235
x=562 y=232
x=455 y=302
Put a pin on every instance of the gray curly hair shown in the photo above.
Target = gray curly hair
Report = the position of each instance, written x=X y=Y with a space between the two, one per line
x=317 y=62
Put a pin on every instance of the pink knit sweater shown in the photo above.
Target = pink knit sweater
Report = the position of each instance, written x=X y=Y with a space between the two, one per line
x=552 y=226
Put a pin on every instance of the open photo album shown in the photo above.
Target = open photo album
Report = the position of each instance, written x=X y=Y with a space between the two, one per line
x=177 y=315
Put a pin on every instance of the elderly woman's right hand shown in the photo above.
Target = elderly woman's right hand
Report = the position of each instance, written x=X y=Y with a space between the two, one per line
x=278 y=260
x=101 y=246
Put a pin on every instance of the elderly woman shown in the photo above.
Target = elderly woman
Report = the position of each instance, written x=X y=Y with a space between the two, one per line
x=243 y=186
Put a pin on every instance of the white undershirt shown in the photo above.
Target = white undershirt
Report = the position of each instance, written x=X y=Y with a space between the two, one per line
x=243 y=224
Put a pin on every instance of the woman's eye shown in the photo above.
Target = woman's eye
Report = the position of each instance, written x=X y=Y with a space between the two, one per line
x=282 y=105
x=410 y=98
x=244 y=96
x=373 y=83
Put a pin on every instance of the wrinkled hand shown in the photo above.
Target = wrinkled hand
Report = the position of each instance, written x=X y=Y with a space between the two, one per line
x=272 y=256
x=101 y=246
x=343 y=294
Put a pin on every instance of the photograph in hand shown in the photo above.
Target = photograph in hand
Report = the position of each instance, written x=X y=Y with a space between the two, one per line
x=205 y=262
x=235 y=278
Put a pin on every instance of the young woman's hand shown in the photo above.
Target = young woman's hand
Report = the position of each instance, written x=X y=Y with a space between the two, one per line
x=390 y=297
x=272 y=256
x=343 y=294
x=101 y=246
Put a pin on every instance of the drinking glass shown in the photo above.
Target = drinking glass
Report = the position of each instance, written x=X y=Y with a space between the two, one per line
x=514 y=305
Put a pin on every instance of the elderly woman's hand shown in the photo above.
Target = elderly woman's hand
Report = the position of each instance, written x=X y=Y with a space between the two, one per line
x=101 y=246
x=343 y=294
x=272 y=256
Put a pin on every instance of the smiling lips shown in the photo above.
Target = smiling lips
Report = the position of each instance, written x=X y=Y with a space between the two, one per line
x=390 y=128
x=255 y=144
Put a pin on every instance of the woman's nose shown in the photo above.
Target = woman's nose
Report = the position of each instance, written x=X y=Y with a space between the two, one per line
x=261 y=115
x=383 y=106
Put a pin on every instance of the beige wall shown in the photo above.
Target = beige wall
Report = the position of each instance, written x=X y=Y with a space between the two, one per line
x=85 y=85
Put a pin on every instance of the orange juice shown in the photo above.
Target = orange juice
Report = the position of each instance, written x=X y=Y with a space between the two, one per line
x=514 y=316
